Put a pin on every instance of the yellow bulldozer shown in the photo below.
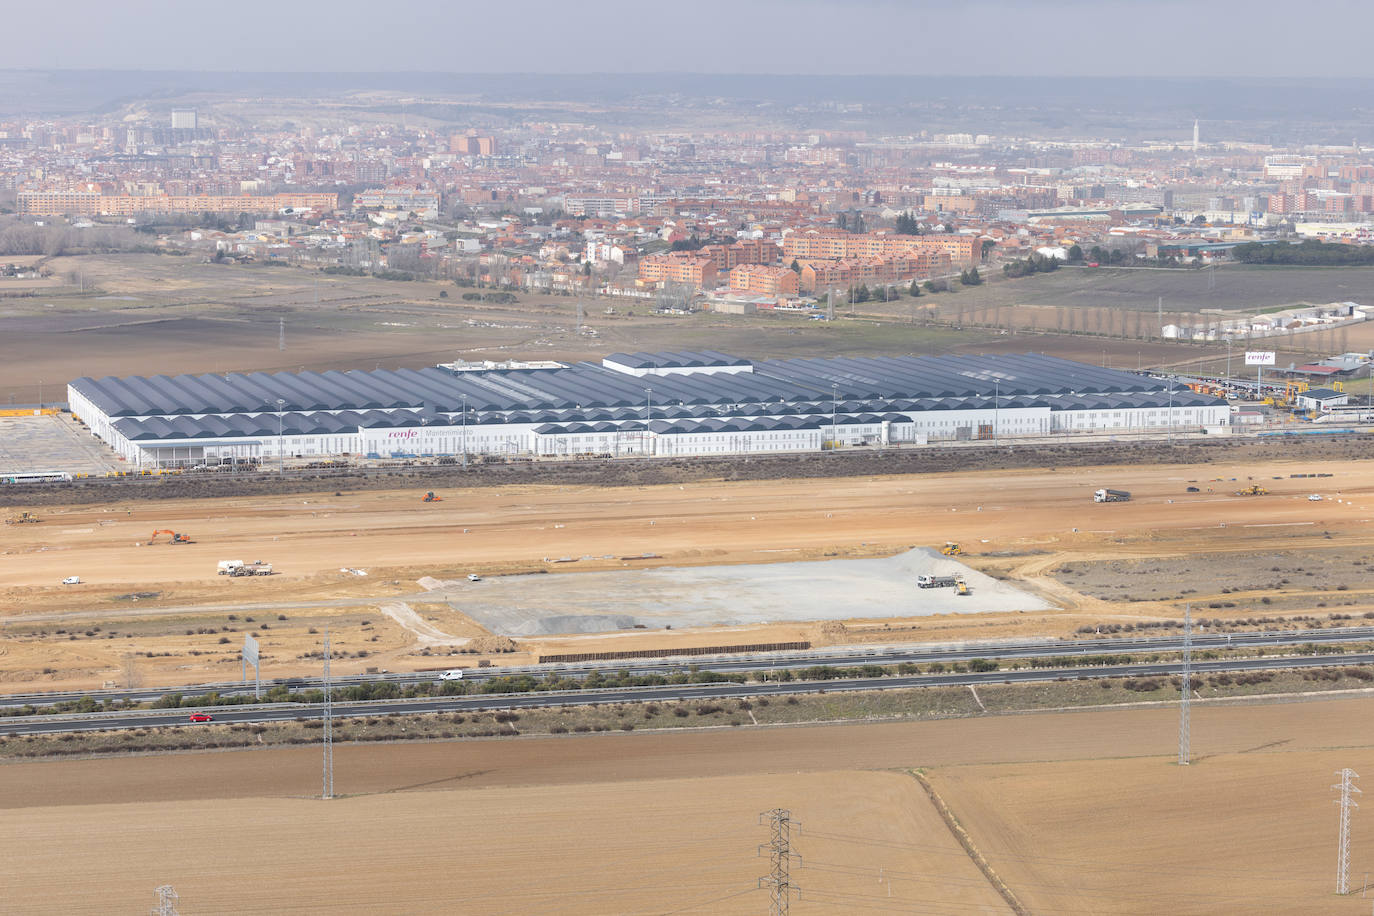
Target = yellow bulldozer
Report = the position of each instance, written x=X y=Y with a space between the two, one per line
x=23 y=518
x=951 y=549
x=1253 y=490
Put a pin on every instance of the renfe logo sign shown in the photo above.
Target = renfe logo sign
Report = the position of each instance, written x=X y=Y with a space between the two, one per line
x=1259 y=357
x=403 y=434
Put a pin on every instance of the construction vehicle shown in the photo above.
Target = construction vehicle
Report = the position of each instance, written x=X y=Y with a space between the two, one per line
x=924 y=581
x=23 y=518
x=431 y=498
x=951 y=549
x=1288 y=397
x=238 y=568
x=175 y=539
x=1111 y=496
x=961 y=588
x=1253 y=490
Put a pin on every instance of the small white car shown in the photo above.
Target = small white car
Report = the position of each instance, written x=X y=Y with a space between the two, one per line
x=473 y=577
x=1314 y=498
x=72 y=580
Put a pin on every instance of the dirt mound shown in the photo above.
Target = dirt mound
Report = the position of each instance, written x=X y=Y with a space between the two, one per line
x=491 y=645
x=648 y=472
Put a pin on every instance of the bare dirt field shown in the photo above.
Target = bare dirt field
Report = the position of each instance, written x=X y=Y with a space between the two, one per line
x=1236 y=833
x=157 y=613
x=497 y=850
x=1074 y=812
x=144 y=314
x=1236 y=286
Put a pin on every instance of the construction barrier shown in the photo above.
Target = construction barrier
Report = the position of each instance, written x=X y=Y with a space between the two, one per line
x=29 y=411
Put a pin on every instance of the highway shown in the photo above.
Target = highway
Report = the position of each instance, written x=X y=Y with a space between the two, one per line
x=32 y=725
x=859 y=655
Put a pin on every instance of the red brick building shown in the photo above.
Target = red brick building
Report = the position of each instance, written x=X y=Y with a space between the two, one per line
x=835 y=245
x=681 y=267
x=765 y=281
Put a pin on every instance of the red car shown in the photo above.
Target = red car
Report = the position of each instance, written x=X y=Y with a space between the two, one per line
x=202 y=717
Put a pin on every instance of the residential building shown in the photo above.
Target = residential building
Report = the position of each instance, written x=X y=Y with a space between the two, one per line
x=84 y=203
x=681 y=267
x=764 y=280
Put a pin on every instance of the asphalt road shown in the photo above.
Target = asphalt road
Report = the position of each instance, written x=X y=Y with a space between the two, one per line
x=868 y=655
x=31 y=725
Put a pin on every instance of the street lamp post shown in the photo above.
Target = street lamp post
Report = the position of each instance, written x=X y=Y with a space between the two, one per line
x=465 y=431
x=1228 y=361
x=40 y=394
x=281 y=458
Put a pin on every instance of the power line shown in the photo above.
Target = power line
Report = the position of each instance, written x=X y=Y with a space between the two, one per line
x=327 y=789
x=779 y=846
x=702 y=903
x=1185 y=696
x=1343 y=852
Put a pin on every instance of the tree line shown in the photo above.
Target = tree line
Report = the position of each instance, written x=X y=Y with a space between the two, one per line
x=1310 y=253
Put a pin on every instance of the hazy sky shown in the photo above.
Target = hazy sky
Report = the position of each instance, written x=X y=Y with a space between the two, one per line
x=991 y=37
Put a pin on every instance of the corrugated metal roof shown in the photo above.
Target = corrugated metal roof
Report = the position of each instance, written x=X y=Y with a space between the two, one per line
x=588 y=392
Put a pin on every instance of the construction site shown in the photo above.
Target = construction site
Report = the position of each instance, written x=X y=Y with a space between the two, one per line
x=988 y=799
x=836 y=529
x=574 y=568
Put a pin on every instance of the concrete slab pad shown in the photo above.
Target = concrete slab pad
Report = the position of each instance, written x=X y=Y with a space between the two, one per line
x=679 y=597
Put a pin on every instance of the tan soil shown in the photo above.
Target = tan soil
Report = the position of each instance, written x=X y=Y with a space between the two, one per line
x=655 y=822
x=1020 y=523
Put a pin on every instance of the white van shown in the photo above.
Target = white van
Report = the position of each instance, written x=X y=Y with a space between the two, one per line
x=453 y=674
x=72 y=580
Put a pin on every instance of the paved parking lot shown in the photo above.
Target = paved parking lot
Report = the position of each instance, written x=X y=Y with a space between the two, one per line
x=52 y=443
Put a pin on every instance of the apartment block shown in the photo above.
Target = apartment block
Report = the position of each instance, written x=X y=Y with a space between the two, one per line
x=830 y=245
x=84 y=203
x=745 y=251
x=469 y=145
x=764 y=280
x=819 y=275
x=682 y=267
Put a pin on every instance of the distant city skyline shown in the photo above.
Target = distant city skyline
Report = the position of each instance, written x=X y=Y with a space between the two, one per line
x=881 y=37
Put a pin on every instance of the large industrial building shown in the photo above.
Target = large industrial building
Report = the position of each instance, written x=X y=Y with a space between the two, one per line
x=698 y=403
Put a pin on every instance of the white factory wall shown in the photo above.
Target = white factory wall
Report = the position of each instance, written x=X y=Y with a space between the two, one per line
x=521 y=438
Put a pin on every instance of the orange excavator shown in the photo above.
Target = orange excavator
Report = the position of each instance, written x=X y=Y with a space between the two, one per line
x=431 y=498
x=176 y=538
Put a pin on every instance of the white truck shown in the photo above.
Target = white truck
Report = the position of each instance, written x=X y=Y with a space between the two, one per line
x=1111 y=496
x=924 y=581
x=238 y=568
